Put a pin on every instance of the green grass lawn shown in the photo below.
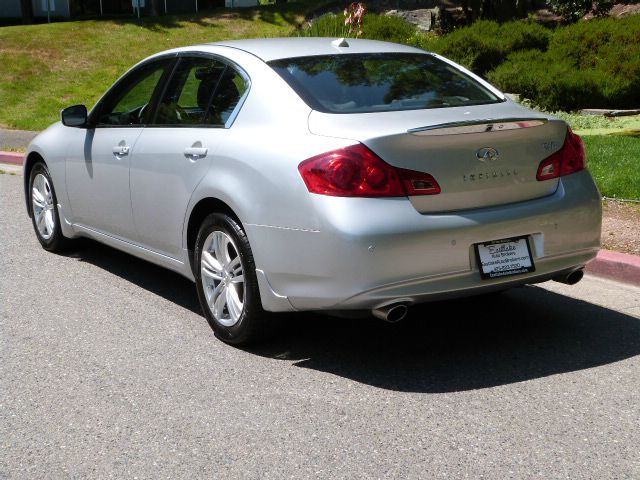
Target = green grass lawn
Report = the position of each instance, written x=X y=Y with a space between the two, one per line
x=614 y=161
x=599 y=124
x=45 y=68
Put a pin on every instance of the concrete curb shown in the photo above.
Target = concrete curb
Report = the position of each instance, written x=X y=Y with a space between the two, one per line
x=609 y=113
x=617 y=266
x=11 y=158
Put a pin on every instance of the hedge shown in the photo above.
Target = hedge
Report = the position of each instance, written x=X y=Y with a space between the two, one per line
x=484 y=45
x=593 y=63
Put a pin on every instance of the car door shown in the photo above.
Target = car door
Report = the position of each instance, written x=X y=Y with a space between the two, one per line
x=98 y=161
x=177 y=149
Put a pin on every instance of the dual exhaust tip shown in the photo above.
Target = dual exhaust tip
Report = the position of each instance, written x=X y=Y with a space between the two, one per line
x=395 y=312
x=392 y=313
x=570 y=278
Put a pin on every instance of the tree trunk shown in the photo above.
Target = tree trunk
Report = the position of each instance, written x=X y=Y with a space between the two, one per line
x=154 y=8
x=27 y=11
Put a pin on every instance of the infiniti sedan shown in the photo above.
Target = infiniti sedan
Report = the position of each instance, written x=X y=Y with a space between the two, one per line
x=317 y=174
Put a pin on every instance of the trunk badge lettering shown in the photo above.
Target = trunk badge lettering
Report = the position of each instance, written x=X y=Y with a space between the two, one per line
x=494 y=174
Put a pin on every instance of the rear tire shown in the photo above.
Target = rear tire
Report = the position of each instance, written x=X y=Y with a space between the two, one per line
x=226 y=281
x=43 y=208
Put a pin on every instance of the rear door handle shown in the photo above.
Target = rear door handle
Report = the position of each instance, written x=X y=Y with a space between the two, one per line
x=121 y=150
x=194 y=153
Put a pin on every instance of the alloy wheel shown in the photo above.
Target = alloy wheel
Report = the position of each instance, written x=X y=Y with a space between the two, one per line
x=222 y=276
x=42 y=201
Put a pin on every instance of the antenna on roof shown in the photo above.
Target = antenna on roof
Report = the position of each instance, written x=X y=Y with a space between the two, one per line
x=341 y=42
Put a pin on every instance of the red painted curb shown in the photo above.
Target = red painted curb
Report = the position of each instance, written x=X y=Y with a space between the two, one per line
x=12 y=158
x=617 y=266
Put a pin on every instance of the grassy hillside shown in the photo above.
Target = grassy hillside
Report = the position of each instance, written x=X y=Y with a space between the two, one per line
x=48 y=67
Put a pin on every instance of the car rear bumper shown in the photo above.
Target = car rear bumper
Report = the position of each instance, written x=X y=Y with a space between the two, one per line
x=371 y=252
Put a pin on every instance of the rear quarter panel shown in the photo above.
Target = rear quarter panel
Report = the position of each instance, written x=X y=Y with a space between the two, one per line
x=255 y=168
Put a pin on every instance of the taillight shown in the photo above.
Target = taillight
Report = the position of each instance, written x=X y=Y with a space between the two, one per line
x=356 y=171
x=569 y=159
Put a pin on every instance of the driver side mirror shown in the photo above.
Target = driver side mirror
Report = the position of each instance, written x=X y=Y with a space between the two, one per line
x=75 y=116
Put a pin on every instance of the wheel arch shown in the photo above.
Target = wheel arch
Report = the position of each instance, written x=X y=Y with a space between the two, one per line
x=199 y=212
x=31 y=159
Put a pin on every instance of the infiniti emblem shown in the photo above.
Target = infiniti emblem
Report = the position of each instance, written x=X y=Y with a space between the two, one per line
x=487 y=153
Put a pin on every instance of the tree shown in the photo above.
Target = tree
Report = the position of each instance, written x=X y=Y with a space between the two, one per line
x=27 y=11
x=574 y=10
x=501 y=10
x=154 y=7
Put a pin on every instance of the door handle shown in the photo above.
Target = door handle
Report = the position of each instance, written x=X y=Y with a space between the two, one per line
x=121 y=150
x=194 y=153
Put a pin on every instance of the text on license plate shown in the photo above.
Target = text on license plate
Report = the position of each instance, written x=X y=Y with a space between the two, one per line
x=500 y=258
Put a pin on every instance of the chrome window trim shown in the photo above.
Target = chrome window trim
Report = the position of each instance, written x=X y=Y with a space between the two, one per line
x=225 y=60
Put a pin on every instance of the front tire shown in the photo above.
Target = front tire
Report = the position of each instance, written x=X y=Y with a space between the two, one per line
x=43 y=207
x=226 y=281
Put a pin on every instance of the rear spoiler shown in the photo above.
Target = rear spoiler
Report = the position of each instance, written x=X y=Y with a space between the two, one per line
x=478 y=126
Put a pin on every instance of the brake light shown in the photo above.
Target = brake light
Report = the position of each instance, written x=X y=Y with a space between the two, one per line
x=418 y=183
x=569 y=159
x=356 y=171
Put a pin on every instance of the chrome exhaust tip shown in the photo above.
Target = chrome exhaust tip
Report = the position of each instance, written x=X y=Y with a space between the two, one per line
x=570 y=278
x=391 y=313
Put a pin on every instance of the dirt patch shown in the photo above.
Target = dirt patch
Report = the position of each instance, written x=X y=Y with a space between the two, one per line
x=621 y=227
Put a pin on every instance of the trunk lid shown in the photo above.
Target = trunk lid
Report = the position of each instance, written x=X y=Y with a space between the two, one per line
x=481 y=156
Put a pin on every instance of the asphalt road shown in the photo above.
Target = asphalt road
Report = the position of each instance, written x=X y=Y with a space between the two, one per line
x=11 y=139
x=108 y=370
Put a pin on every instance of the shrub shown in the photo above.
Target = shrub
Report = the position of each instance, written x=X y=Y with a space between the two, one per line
x=387 y=27
x=551 y=86
x=588 y=64
x=519 y=74
x=484 y=45
x=374 y=27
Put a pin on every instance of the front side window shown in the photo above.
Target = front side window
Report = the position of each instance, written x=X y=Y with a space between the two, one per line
x=129 y=104
x=378 y=82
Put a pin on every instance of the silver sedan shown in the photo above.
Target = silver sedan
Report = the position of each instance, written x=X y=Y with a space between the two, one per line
x=317 y=174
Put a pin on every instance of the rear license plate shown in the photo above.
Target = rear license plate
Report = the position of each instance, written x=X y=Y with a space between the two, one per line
x=501 y=258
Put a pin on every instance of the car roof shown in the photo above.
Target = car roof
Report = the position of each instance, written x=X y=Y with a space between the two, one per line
x=268 y=49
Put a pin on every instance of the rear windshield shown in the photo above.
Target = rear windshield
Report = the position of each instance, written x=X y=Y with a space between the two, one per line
x=380 y=82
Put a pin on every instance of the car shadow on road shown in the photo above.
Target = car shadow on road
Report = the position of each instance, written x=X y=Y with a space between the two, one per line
x=158 y=280
x=479 y=342
x=468 y=344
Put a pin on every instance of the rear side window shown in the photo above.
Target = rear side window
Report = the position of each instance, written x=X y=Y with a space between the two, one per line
x=188 y=95
x=202 y=91
x=230 y=90
x=380 y=82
